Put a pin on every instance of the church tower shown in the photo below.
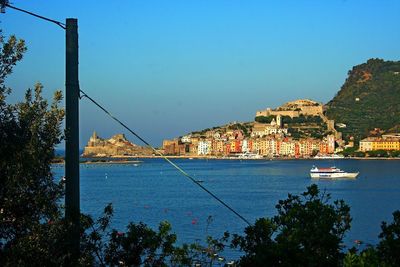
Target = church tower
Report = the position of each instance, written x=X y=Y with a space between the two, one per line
x=93 y=139
x=279 y=120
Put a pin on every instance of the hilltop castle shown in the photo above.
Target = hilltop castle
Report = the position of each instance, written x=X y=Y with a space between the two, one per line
x=294 y=109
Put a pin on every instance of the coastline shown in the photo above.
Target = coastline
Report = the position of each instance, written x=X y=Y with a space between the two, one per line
x=126 y=159
x=236 y=158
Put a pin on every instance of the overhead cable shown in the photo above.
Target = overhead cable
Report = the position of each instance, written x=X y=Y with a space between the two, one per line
x=165 y=158
x=62 y=25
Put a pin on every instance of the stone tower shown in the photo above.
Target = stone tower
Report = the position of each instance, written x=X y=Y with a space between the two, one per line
x=279 y=120
x=93 y=139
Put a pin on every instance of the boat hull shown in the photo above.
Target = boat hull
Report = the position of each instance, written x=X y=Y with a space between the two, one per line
x=327 y=175
x=333 y=156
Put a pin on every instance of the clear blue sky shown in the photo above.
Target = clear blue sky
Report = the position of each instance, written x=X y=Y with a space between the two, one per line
x=169 y=67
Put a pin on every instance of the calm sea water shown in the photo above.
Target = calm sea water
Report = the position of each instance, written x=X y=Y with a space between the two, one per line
x=153 y=191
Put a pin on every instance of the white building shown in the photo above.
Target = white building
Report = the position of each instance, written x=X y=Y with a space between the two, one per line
x=261 y=130
x=272 y=146
x=245 y=146
x=186 y=138
x=204 y=147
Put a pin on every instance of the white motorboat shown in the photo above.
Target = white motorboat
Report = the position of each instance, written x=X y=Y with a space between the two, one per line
x=329 y=156
x=331 y=173
x=248 y=155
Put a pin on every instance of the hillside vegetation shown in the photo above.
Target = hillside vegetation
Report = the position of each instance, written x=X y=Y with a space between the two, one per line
x=369 y=98
x=245 y=127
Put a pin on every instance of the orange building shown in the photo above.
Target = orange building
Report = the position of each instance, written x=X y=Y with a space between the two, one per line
x=171 y=147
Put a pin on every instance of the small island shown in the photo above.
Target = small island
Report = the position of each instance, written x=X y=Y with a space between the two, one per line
x=116 y=146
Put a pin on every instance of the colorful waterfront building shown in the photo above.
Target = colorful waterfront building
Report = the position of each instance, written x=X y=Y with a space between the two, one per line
x=204 y=147
x=245 y=146
x=235 y=146
x=171 y=147
x=379 y=143
x=287 y=148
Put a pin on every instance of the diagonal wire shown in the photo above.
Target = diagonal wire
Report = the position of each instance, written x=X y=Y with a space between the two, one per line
x=62 y=25
x=165 y=158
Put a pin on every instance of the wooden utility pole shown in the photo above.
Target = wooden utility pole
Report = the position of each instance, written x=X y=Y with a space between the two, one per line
x=72 y=200
x=72 y=92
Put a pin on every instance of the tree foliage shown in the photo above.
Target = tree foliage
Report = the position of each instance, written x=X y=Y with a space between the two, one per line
x=11 y=52
x=141 y=245
x=302 y=119
x=389 y=246
x=307 y=231
x=386 y=253
x=28 y=132
x=264 y=119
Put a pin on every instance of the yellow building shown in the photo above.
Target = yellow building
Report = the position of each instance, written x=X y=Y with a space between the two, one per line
x=366 y=144
x=378 y=143
x=287 y=148
x=256 y=146
x=263 y=147
x=217 y=147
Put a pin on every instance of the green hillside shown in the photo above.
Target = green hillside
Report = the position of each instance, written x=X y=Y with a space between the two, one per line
x=369 y=98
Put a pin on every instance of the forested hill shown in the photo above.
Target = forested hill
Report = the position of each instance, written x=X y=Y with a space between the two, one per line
x=369 y=98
